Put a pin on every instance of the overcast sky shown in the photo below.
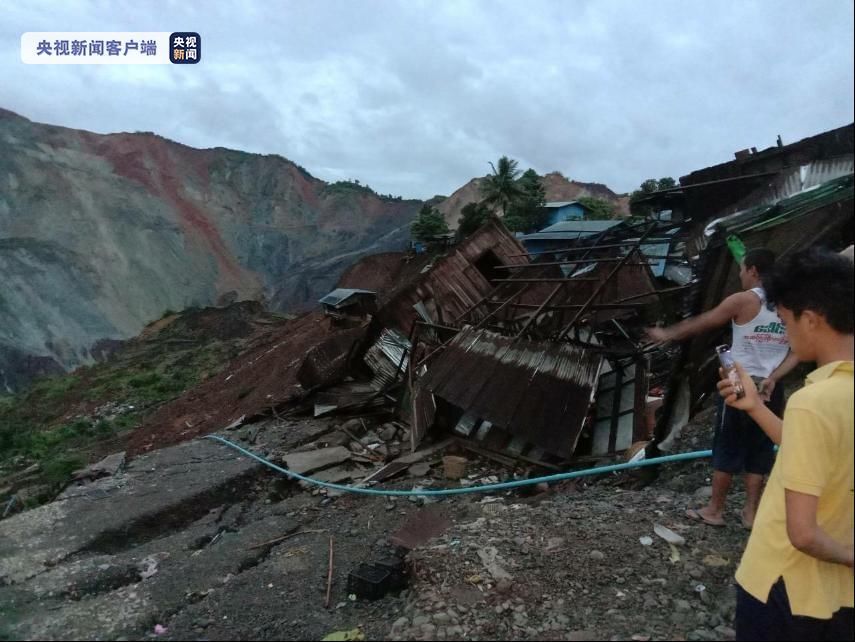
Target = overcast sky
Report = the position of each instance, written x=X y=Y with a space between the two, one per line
x=415 y=97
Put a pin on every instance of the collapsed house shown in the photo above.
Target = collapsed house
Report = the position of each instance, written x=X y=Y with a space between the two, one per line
x=519 y=371
x=533 y=349
x=522 y=356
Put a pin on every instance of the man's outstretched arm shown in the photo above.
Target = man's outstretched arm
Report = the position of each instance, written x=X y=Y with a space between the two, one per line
x=718 y=317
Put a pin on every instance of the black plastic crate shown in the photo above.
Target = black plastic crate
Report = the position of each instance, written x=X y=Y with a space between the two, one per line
x=369 y=582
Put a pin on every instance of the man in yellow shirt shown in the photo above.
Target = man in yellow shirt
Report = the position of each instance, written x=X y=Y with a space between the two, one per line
x=795 y=581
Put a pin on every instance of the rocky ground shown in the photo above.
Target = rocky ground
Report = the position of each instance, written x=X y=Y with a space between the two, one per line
x=185 y=543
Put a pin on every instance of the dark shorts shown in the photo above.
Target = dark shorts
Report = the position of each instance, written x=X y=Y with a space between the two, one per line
x=739 y=444
x=774 y=620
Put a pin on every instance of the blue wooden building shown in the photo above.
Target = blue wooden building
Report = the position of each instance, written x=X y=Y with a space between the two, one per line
x=560 y=211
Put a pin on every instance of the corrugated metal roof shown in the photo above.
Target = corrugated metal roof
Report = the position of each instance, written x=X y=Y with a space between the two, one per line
x=390 y=351
x=562 y=204
x=834 y=142
x=766 y=216
x=540 y=391
x=581 y=226
x=568 y=230
x=339 y=296
x=812 y=175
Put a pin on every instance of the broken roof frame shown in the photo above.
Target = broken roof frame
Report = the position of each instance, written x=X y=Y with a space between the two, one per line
x=546 y=304
x=432 y=376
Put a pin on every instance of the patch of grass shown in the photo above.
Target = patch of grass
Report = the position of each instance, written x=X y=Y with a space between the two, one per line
x=58 y=469
x=144 y=374
x=144 y=380
x=53 y=387
x=104 y=428
x=125 y=422
x=45 y=444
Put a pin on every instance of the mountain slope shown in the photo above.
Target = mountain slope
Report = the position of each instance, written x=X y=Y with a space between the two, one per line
x=100 y=234
x=558 y=188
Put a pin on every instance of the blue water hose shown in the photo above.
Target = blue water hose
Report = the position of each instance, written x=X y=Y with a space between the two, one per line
x=700 y=454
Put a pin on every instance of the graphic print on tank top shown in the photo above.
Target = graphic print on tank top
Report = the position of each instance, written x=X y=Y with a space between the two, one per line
x=760 y=345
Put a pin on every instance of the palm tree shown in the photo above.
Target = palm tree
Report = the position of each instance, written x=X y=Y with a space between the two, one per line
x=501 y=187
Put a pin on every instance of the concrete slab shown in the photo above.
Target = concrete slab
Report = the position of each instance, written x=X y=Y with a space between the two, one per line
x=175 y=483
x=307 y=462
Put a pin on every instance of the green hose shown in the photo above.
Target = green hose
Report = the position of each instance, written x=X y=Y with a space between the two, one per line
x=471 y=489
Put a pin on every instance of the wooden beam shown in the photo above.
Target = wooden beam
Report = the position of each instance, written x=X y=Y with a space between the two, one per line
x=602 y=285
x=547 y=280
x=574 y=306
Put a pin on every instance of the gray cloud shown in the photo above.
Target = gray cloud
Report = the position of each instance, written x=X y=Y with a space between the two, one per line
x=414 y=98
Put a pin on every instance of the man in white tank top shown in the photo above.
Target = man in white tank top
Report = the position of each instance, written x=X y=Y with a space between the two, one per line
x=760 y=346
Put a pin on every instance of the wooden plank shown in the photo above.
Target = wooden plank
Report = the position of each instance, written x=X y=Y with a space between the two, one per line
x=404 y=462
x=382 y=474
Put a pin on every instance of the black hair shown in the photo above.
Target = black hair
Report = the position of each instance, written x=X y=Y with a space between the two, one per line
x=815 y=279
x=760 y=258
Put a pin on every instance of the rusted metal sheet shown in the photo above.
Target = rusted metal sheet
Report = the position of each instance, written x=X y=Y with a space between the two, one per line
x=457 y=281
x=536 y=390
x=427 y=523
x=388 y=357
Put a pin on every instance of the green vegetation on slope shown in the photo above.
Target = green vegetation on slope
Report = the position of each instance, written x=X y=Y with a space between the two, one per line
x=61 y=423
